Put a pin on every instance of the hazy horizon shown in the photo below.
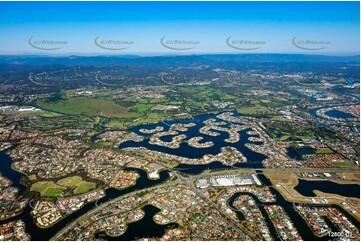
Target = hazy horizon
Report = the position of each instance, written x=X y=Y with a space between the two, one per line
x=40 y=54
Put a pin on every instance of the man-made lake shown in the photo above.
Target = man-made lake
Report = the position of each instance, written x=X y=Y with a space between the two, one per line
x=190 y=152
x=306 y=188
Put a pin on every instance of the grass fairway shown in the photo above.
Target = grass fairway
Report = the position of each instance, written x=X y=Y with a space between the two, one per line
x=84 y=187
x=88 y=106
x=48 y=188
x=77 y=182
x=143 y=107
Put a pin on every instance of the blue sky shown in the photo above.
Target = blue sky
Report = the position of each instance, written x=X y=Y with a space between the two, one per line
x=254 y=27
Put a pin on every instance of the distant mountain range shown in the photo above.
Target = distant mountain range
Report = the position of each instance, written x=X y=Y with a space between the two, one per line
x=174 y=61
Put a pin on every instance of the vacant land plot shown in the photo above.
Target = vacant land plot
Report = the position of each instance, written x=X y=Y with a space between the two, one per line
x=48 y=188
x=84 y=187
x=77 y=182
x=70 y=181
x=289 y=179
